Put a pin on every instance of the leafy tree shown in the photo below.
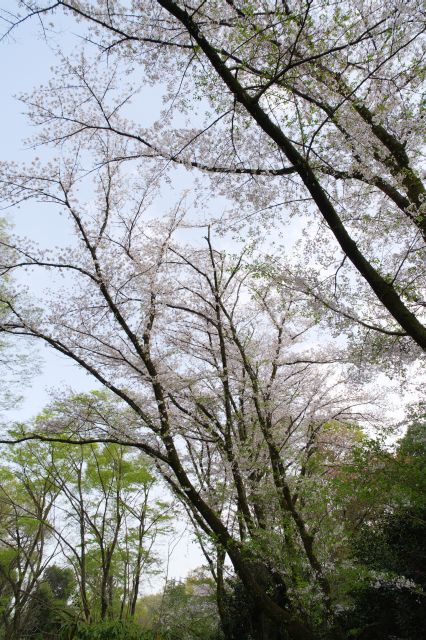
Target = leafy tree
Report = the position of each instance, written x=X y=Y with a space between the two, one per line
x=390 y=601
x=106 y=492
x=186 y=610
x=89 y=505
x=27 y=495
x=242 y=619
x=60 y=581
x=48 y=609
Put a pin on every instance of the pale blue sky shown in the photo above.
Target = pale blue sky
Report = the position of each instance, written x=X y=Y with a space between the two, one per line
x=25 y=61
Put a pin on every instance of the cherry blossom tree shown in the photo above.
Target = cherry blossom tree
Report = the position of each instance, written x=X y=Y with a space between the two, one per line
x=316 y=106
x=219 y=357
x=208 y=356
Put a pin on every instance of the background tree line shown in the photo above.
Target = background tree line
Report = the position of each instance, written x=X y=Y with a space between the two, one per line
x=78 y=527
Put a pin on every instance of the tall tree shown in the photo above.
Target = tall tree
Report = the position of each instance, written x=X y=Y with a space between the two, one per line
x=88 y=508
x=389 y=599
x=49 y=609
x=109 y=520
x=220 y=393
x=27 y=496
x=322 y=103
x=204 y=350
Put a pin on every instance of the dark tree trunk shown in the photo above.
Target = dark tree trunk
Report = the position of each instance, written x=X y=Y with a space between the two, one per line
x=243 y=616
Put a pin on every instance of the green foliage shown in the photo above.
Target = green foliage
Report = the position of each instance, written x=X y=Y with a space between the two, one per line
x=104 y=520
x=384 y=612
x=48 y=608
x=115 y=630
x=61 y=582
x=239 y=613
x=186 y=610
x=390 y=600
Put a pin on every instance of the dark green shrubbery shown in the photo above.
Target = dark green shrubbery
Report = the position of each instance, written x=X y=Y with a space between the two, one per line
x=114 y=630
